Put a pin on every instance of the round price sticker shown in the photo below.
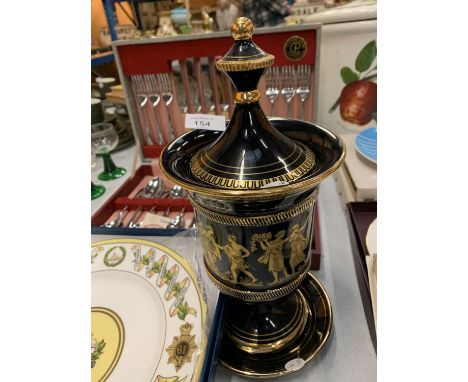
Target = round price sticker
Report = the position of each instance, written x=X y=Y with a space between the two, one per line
x=295 y=364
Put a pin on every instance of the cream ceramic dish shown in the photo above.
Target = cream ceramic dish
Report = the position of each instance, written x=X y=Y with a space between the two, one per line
x=147 y=315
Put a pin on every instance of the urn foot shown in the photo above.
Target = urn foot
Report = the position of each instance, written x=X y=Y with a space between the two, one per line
x=271 y=339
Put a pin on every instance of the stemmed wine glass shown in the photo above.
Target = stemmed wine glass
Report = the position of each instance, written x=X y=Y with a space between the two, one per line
x=96 y=189
x=104 y=139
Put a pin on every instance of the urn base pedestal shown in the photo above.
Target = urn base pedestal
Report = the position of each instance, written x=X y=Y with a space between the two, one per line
x=271 y=339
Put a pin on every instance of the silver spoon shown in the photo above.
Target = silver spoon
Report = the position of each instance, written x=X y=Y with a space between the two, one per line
x=153 y=189
x=118 y=220
x=145 y=189
x=157 y=190
x=178 y=221
x=177 y=192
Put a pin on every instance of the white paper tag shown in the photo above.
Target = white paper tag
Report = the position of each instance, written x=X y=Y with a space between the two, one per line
x=205 y=122
x=155 y=221
x=295 y=364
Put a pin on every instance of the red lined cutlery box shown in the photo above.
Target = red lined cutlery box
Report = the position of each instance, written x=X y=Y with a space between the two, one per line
x=187 y=63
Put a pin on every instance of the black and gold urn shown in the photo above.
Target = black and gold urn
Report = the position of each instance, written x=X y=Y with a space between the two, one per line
x=254 y=188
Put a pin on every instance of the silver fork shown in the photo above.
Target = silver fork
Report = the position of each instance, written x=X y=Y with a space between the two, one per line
x=288 y=85
x=142 y=99
x=154 y=98
x=167 y=96
x=272 y=82
x=303 y=85
x=142 y=96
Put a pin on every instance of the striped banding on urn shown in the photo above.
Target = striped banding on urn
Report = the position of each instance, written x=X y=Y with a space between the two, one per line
x=261 y=220
x=256 y=296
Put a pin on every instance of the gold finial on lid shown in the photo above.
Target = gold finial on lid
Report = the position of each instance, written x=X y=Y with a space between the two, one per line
x=244 y=54
x=242 y=29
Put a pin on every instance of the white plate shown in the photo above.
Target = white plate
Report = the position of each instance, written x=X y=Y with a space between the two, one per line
x=149 y=311
x=371 y=238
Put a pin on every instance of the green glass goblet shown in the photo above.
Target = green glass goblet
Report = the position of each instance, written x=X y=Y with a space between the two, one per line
x=104 y=139
x=96 y=190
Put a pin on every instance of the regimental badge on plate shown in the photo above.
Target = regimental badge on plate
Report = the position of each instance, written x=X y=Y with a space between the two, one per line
x=182 y=347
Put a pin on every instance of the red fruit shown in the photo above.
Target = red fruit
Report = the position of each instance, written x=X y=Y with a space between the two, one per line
x=358 y=101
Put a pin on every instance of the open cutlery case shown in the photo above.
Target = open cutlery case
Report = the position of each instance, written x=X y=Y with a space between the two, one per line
x=127 y=202
x=164 y=78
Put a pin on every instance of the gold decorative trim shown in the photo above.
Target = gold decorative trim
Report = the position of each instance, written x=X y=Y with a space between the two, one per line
x=256 y=296
x=257 y=220
x=199 y=157
x=243 y=65
x=247 y=97
x=261 y=53
x=249 y=184
x=262 y=194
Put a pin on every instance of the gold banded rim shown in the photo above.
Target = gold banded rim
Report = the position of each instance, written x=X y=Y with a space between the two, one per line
x=262 y=220
x=263 y=193
x=259 y=296
x=241 y=65
x=246 y=97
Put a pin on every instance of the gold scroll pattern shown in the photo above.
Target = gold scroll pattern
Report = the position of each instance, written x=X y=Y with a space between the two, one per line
x=257 y=221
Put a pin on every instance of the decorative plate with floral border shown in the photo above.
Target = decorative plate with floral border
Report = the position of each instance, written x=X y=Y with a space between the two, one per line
x=148 y=314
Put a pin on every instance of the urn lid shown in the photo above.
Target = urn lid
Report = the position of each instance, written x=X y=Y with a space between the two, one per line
x=251 y=154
